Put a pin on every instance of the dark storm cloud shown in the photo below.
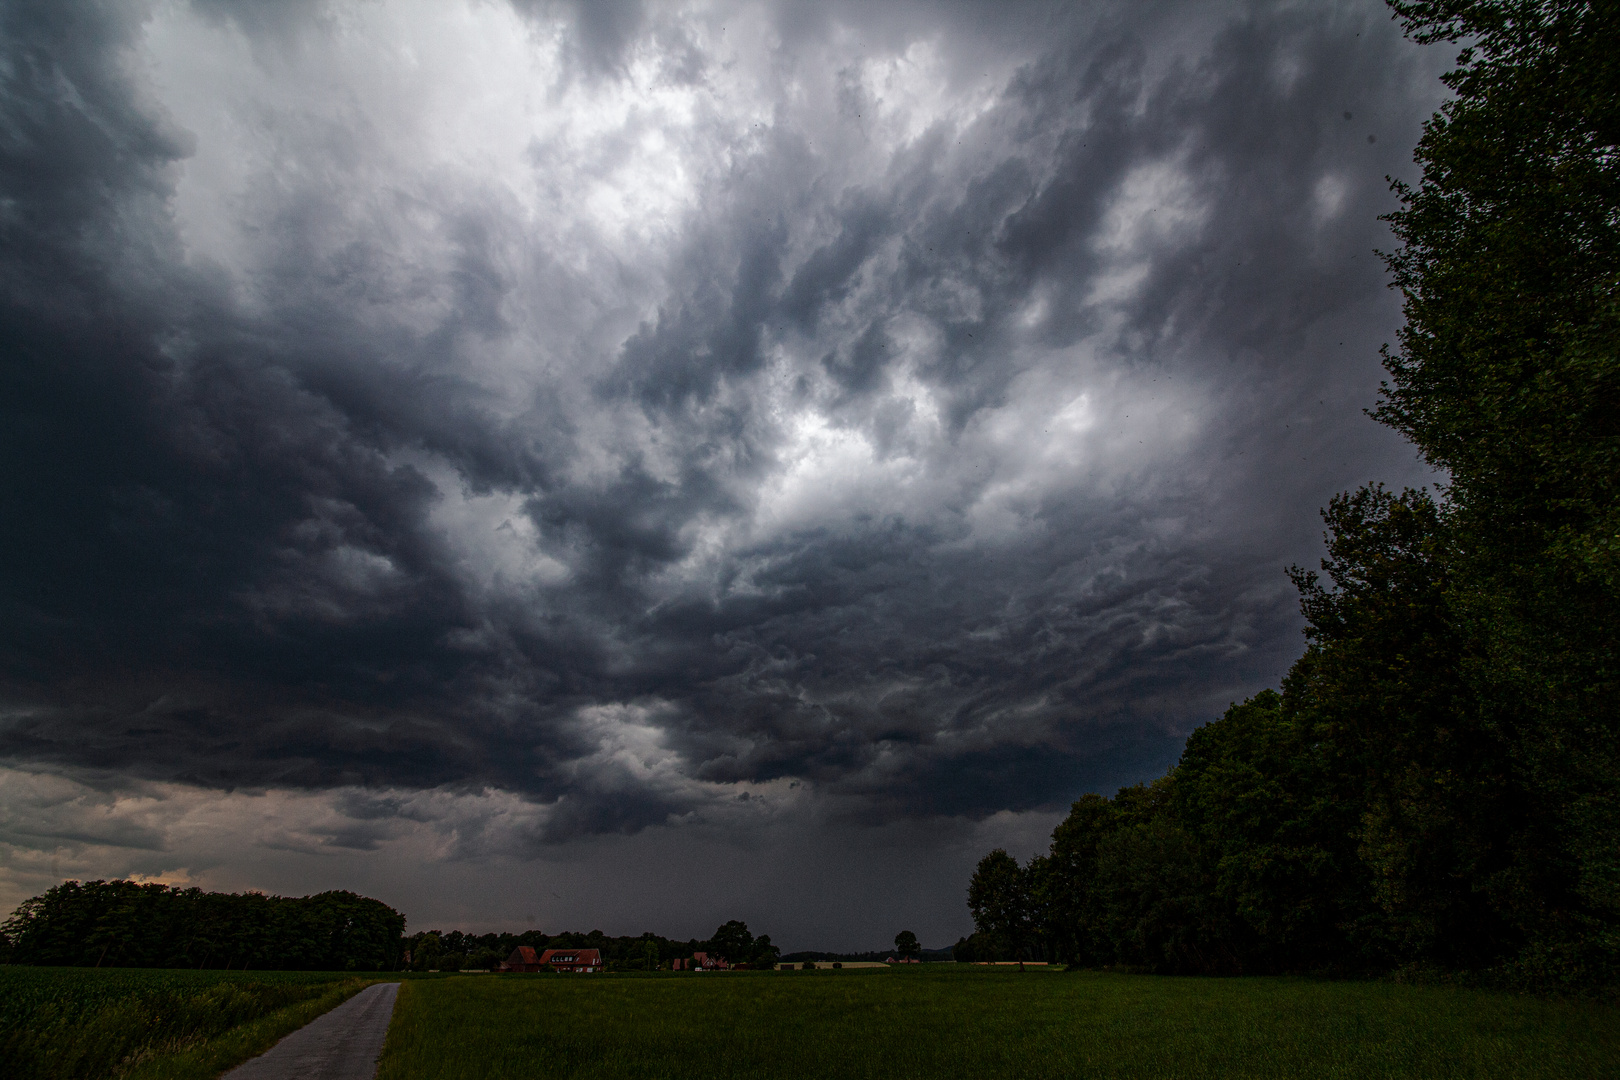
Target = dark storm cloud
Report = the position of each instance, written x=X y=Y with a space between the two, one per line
x=601 y=30
x=951 y=469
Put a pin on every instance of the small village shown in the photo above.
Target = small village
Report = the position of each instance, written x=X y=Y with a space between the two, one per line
x=731 y=947
x=526 y=959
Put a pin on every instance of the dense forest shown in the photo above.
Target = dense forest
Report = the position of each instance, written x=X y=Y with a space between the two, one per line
x=1436 y=786
x=128 y=924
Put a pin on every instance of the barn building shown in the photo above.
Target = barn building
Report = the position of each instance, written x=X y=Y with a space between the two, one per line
x=523 y=958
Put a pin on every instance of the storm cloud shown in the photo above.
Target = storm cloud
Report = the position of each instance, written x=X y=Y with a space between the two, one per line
x=564 y=421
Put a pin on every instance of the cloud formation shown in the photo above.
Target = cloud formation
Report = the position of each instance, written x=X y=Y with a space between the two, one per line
x=628 y=409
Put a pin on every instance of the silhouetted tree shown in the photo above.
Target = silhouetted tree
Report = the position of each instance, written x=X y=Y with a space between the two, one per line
x=998 y=897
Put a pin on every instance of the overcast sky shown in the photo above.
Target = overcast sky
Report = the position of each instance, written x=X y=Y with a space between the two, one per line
x=635 y=466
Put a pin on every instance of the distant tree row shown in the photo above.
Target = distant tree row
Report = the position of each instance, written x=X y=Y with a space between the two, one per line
x=906 y=945
x=128 y=924
x=436 y=950
x=1438 y=783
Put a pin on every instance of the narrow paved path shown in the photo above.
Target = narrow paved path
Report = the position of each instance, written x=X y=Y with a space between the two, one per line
x=343 y=1044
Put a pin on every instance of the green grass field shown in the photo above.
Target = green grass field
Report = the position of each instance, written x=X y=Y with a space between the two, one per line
x=127 y=1024
x=978 y=1023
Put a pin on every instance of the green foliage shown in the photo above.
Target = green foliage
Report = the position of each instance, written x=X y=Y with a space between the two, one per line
x=59 y=1023
x=998 y=897
x=1366 y=818
x=426 y=950
x=973 y=949
x=1352 y=823
x=906 y=944
x=126 y=924
x=1155 y=889
x=1259 y=794
x=737 y=946
x=1069 y=907
x=1438 y=784
x=765 y=954
x=1508 y=377
x=943 y=1021
x=733 y=942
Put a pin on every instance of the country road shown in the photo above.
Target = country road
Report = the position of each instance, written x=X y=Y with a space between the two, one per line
x=344 y=1044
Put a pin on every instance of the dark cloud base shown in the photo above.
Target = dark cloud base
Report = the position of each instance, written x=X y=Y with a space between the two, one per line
x=217 y=559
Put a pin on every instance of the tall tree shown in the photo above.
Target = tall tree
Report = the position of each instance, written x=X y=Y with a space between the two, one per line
x=1405 y=766
x=1439 y=782
x=733 y=942
x=1508 y=378
x=998 y=897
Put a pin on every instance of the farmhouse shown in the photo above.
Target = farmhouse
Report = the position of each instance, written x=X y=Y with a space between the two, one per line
x=523 y=958
x=700 y=962
x=583 y=960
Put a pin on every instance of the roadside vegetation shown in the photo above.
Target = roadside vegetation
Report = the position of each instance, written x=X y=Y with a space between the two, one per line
x=72 y=1023
x=129 y=924
x=943 y=1021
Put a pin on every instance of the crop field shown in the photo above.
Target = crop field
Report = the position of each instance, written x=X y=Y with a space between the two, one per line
x=141 y=1024
x=980 y=1023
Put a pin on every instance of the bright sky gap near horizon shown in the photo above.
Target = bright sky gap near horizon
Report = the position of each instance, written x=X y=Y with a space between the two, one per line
x=633 y=466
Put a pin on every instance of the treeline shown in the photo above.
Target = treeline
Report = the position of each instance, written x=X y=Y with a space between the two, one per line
x=925 y=955
x=1437 y=785
x=128 y=924
x=436 y=950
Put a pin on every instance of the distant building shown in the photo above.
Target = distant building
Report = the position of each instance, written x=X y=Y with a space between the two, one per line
x=700 y=962
x=523 y=958
x=580 y=960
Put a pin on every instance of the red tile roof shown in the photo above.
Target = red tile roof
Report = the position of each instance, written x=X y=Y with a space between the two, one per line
x=572 y=957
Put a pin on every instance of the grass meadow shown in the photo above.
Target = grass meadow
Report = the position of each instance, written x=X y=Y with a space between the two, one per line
x=950 y=1022
x=140 y=1024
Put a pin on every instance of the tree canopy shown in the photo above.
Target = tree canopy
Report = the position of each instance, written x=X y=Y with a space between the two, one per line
x=1437 y=785
x=129 y=924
